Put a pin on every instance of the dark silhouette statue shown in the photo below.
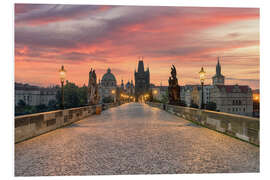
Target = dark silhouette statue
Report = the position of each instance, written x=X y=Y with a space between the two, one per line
x=174 y=88
x=93 y=96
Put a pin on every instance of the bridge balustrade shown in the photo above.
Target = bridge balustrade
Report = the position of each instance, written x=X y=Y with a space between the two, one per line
x=243 y=127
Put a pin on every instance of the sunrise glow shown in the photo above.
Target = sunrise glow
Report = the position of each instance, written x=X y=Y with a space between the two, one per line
x=84 y=37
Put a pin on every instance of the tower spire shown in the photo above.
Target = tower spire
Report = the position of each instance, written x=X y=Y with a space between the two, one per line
x=218 y=68
x=140 y=66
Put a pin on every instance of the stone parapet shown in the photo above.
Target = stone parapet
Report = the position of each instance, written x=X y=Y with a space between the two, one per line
x=28 y=126
x=242 y=127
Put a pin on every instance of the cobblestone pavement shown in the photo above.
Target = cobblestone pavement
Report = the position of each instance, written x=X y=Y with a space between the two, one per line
x=133 y=139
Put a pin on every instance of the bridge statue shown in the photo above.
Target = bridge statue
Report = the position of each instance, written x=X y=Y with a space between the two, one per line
x=173 y=89
x=93 y=96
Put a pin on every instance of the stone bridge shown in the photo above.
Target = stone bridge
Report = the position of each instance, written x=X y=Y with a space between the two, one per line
x=133 y=139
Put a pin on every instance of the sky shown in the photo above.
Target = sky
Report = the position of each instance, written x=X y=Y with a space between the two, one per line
x=82 y=37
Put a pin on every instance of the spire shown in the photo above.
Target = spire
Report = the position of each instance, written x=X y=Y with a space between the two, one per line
x=218 y=68
x=140 y=66
x=122 y=84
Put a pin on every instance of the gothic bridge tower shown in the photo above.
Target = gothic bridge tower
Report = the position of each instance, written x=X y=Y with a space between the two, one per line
x=142 y=79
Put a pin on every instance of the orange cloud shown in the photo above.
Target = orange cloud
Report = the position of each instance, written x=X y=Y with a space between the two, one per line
x=177 y=36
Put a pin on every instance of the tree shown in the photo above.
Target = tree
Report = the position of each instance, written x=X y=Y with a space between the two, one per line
x=52 y=105
x=83 y=95
x=74 y=96
x=19 y=109
x=108 y=99
x=156 y=100
x=211 y=106
x=165 y=97
x=71 y=95
x=21 y=103
x=40 y=108
x=22 y=108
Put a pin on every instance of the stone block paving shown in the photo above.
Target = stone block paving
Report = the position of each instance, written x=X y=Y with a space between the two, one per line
x=133 y=139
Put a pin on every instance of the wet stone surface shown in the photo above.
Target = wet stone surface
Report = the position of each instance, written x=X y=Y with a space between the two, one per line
x=133 y=139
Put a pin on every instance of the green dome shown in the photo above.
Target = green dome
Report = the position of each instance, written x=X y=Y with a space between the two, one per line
x=108 y=76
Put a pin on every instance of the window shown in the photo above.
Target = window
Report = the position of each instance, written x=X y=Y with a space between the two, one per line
x=244 y=109
x=233 y=109
x=233 y=102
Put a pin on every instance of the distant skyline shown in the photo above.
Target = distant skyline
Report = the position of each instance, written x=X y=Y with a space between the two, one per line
x=81 y=37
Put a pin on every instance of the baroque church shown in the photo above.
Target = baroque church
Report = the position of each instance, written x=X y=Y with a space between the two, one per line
x=110 y=91
x=107 y=86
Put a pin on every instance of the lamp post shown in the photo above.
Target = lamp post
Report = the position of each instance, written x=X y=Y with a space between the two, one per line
x=146 y=97
x=202 y=78
x=62 y=72
x=113 y=92
x=155 y=92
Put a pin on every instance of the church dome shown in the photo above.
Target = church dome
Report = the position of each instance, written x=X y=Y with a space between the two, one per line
x=108 y=76
x=108 y=79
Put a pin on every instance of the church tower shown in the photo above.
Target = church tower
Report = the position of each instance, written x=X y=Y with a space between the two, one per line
x=142 y=79
x=122 y=87
x=218 y=78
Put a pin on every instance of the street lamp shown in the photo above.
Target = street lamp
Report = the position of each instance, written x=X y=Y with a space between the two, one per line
x=202 y=78
x=113 y=92
x=256 y=97
x=62 y=72
x=146 y=97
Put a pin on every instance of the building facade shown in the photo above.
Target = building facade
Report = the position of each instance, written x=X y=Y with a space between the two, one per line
x=233 y=99
x=256 y=102
x=34 y=95
x=129 y=88
x=159 y=93
x=142 y=80
x=193 y=94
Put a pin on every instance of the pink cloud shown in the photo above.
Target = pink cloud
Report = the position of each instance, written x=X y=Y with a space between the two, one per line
x=173 y=37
